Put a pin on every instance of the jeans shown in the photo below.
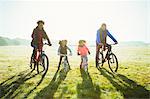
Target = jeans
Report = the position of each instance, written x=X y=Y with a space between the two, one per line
x=84 y=62
x=98 y=47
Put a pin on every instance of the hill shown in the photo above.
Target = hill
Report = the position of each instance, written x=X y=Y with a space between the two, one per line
x=4 y=41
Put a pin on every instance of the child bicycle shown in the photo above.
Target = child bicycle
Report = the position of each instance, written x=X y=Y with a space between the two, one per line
x=110 y=56
x=40 y=59
x=65 y=62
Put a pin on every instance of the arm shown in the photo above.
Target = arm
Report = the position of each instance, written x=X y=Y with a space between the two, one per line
x=87 y=50
x=69 y=50
x=59 y=50
x=46 y=37
x=98 y=37
x=33 y=34
x=78 y=51
x=111 y=37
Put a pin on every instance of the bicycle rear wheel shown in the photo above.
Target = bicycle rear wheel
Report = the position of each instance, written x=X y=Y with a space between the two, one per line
x=45 y=63
x=100 y=60
x=113 y=62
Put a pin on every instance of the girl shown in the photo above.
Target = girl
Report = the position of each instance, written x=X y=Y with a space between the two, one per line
x=62 y=50
x=83 y=51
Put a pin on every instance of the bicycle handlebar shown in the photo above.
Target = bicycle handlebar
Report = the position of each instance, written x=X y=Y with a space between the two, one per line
x=112 y=44
x=46 y=44
x=108 y=44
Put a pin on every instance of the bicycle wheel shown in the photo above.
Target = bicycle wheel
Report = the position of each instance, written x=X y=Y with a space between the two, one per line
x=113 y=62
x=65 y=64
x=100 y=60
x=45 y=63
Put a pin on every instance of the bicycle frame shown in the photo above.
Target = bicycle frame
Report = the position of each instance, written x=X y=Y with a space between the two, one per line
x=39 y=54
x=108 y=51
x=65 y=63
x=40 y=59
x=111 y=58
x=65 y=57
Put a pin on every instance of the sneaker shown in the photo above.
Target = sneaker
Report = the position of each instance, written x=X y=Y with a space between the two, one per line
x=104 y=60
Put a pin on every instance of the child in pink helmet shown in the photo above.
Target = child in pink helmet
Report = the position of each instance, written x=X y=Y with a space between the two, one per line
x=83 y=51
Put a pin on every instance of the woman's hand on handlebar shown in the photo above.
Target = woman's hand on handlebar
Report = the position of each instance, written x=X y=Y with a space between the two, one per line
x=70 y=54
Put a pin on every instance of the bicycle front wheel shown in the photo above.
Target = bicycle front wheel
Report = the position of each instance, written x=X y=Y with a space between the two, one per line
x=113 y=62
x=45 y=62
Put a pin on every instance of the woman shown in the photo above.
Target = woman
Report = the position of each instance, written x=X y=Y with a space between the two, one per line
x=37 y=38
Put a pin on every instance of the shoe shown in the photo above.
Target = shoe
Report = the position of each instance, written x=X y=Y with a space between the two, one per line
x=103 y=61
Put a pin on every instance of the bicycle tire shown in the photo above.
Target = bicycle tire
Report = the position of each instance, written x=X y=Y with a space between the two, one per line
x=45 y=60
x=110 y=62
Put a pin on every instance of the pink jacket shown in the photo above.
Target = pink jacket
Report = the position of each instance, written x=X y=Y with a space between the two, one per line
x=83 y=51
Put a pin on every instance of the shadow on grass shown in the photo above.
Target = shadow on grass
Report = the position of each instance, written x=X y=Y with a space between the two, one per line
x=40 y=81
x=87 y=90
x=10 y=86
x=49 y=91
x=128 y=87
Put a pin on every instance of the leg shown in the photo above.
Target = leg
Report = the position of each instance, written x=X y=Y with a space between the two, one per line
x=97 y=54
x=86 y=66
x=109 y=49
x=32 y=58
x=34 y=65
x=60 y=62
x=81 y=62
x=68 y=62
x=37 y=64
x=33 y=53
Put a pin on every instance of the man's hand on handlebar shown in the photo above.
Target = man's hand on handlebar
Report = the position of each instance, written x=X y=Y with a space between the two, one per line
x=50 y=44
x=116 y=42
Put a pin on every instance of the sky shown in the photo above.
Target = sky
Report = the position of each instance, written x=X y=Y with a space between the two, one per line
x=127 y=20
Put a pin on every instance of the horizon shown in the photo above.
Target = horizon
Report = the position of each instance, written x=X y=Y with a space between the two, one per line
x=74 y=42
x=74 y=20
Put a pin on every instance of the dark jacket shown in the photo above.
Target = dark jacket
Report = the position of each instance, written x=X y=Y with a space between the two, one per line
x=63 y=50
x=38 y=36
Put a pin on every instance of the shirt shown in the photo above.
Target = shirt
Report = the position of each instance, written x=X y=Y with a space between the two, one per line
x=83 y=50
x=108 y=34
x=38 y=36
x=63 y=50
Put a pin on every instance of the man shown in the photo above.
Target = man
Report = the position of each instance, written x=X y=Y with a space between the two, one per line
x=101 y=40
x=37 y=37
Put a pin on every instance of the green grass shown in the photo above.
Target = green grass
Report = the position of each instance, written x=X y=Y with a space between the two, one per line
x=131 y=81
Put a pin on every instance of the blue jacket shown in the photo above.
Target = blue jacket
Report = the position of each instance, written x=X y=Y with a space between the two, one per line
x=98 y=36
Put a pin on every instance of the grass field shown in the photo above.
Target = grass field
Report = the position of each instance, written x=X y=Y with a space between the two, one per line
x=131 y=81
